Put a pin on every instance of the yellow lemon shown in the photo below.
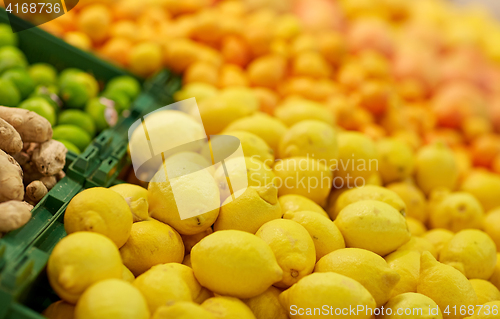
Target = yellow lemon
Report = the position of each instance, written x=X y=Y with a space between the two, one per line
x=325 y=235
x=223 y=307
x=396 y=160
x=191 y=240
x=331 y=289
x=296 y=110
x=296 y=203
x=111 y=299
x=332 y=200
x=310 y=138
x=485 y=291
x=145 y=58
x=436 y=166
x=293 y=247
x=127 y=275
x=456 y=211
x=195 y=191
x=415 y=226
x=151 y=243
x=192 y=157
x=369 y=192
x=367 y=268
x=102 y=211
x=198 y=90
x=414 y=198
x=136 y=198
x=484 y=186
x=257 y=173
x=492 y=226
x=303 y=176
x=495 y=278
x=267 y=305
x=489 y=310
x=419 y=244
x=182 y=310
x=60 y=310
x=235 y=263
x=373 y=225
x=252 y=209
x=445 y=285
x=79 y=260
x=95 y=21
x=254 y=147
x=407 y=265
x=411 y=306
x=263 y=125
x=438 y=237
x=358 y=160
x=472 y=252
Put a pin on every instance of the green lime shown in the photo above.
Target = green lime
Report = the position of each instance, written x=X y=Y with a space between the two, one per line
x=78 y=118
x=21 y=79
x=103 y=112
x=43 y=74
x=9 y=94
x=125 y=84
x=49 y=93
x=67 y=74
x=7 y=37
x=41 y=107
x=122 y=101
x=77 y=89
x=11 y=57
x=73 y=134
x=70 y=146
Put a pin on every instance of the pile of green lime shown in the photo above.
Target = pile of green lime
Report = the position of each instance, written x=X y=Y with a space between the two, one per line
x=70 y=100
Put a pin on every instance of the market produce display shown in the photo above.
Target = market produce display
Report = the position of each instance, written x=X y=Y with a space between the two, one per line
x=371 y=136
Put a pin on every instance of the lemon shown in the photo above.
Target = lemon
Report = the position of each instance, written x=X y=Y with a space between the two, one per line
x=457 y=211
x=293 y=247
x=254 y=147
x=303 y=176
x=416 y=227
x=296 y=110
x=191 y=240
x=407 y=265
x=373 y=225
x=223 y=307
x=296 y=203
x=60 y=310
x=485 y=291
x=489 y=310
x=419 y=244
x=396 y=160
x=268 y=128
x=267 y=305
x=151 y=243
x=257 y=173
x=438 y=237
x=325 y=235
x=111 y=299
x=310 y=138
x=195 y=193
x=99 y=210
x=492 y=226
x=483 y=185
x=367 y=268
x=332 y=289
x=136 y=198
x=192 y=157
x=127 y=275
x=235 y=263
x=182 y=310
x=372 y=192
x=445 y=285
x=436 y=166
x=472 y=252
x=79 y=260
x=414 y=198
x=358 y=159
x=495 y=278
x=145 y=58
x=251 y=210
x=411 y=306
x=166 y=283
x=198 y=90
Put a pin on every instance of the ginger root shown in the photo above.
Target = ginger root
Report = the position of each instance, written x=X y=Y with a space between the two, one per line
x=30 y=126
x=13 y=215
x=49 y=181
x=10 y=140
x=49 y=157
x=11 y=179
x=35 y=191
